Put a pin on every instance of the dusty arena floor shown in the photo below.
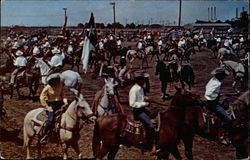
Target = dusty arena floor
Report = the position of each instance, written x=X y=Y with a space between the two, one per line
x=202 y=63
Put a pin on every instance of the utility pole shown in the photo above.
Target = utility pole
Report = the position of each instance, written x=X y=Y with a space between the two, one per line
x=180 y=14
x=65 y=21
x=113 y=4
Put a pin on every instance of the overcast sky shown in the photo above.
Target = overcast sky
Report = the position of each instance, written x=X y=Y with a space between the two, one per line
x=50 y=12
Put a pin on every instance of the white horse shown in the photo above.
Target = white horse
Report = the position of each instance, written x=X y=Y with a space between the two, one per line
x=69 y=127
x=222 y=52
x=71 y=79
x=106 y=102
x=237 y=69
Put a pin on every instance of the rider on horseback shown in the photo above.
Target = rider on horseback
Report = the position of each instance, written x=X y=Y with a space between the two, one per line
x=174 y=64
x=20 y=63
x=56 y=61
x=52 y=99
x=122 y=69
x=137 y=102
x=212 y=95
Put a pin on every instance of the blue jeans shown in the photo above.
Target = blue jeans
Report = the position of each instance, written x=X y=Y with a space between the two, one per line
x=55 y=106
x=221 y=113
x=141 y=115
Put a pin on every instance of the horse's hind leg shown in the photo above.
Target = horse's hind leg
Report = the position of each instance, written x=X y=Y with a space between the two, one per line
x=112 y=153
x=176 y=153
x=77 y=150
x=163 y=155
x=103 y=151
x=39 y=150
x=65 y=151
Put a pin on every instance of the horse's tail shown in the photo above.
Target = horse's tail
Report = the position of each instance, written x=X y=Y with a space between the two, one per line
x=96 y=141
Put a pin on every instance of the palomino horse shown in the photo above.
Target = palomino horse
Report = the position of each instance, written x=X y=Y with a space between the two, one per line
x=70 y=125
x=239 y=71
x=108 y=132
x=71 y=79
x=106 y=101
x=198 y=122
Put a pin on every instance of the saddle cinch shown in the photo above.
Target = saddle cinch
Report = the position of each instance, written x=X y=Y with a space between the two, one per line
x=135 y=129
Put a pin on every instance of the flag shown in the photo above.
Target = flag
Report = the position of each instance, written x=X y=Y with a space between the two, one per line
x=201 y=31
x=89 y=43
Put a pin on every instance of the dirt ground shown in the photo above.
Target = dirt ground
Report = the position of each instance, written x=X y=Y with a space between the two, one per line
x=202 y=63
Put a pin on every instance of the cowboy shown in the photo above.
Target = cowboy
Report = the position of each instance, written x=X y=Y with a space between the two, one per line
x=160 y=43
x=138 y=103
x=123 y=69
x=212 y=95
x=52 y=98
x=56 y=61
x=174 y=64
x=20 y=63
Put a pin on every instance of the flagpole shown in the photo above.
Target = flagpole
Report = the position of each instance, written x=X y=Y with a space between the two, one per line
x=113 y=4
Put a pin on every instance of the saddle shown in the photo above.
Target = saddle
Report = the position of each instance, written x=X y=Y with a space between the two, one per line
x=135 y=130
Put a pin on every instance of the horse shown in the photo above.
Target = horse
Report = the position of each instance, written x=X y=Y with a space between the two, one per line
x=185 y=75
x=198 y=121
x=69 y=126
x=106 y=101
x=187 y=54
x=212 y=45
x=239 y=71
x=111 y=49
x=225 y=52
x=71 y=79
x=27 y=78
x=110 y=132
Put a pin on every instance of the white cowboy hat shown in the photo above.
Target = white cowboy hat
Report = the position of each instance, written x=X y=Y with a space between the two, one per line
x=56 y=51
x=19 y=53
x=220 y=70
x=36 y=51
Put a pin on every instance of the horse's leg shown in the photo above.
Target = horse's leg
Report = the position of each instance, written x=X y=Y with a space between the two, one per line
x=242 y=150
x=176 y=153
x=163 y=155
x=182 y=83
x=188 y=144
x=39 y=150
x=36 y=85
x=11 y=91
x=65 y=151
x=75 y=146
x=112 y=153
x=103 y=151
x=18 y=91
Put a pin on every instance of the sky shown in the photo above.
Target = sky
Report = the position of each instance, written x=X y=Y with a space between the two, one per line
x=51 y=13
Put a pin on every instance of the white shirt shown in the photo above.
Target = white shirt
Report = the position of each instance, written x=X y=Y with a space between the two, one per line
x=181 y=43
x=56 y=61
x=70 y=49
x=20 y=61
x=101 y=45
x=136 y=97
x=119 y=42
x=160 y=43
x=212 y=89
x=139 y=45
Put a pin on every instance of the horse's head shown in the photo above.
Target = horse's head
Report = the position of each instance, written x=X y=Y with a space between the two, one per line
x=109 y=86
x=183 y=98
x=83 y=109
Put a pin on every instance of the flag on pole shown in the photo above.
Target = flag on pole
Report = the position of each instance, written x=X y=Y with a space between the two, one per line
x=212 y=32
x=89 y=42
x=201 y=31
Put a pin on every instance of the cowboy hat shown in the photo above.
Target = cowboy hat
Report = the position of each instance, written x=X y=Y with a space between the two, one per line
x=56 y=51
x=19 y=53
x=220 y=70
x=52 y=76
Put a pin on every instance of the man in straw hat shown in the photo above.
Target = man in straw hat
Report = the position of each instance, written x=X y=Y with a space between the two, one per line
x=138 y=103
x=20 y=63
x=52 y=98
x=212 y=95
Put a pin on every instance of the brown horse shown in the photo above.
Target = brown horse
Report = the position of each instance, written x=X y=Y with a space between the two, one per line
x=196 y=123
x=108 y=131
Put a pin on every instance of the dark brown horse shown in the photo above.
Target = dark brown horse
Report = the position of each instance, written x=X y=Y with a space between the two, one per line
x=194 y=124
x=108 y=130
